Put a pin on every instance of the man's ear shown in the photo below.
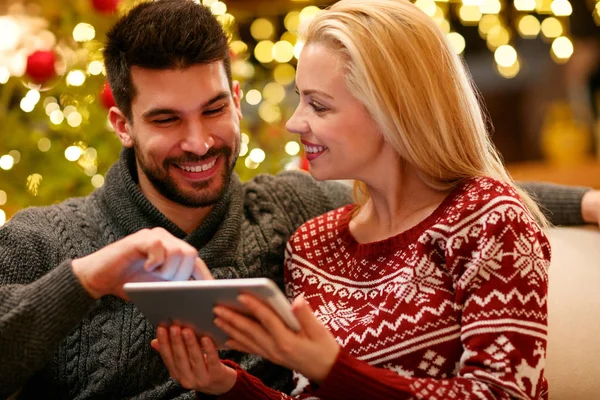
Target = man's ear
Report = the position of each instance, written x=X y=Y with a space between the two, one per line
x=237 y=98
x=121 y=126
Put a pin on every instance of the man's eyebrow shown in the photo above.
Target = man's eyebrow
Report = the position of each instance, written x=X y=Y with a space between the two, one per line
x=308 y=92
x=162 y=111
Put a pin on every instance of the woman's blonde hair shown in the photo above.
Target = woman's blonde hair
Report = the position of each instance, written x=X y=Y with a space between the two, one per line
x=416 y=88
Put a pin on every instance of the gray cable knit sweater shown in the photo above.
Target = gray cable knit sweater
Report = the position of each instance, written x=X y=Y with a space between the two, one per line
x=57 y=342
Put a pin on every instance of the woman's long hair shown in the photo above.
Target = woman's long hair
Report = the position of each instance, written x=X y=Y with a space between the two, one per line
x=400 y=66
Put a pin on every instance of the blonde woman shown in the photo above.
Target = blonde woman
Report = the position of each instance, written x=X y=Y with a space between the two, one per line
x=434 y=285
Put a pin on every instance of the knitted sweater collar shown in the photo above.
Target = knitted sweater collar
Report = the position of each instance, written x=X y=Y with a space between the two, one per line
x=216 y=238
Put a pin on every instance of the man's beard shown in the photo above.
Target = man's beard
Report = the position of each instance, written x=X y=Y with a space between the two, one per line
x=201 y=194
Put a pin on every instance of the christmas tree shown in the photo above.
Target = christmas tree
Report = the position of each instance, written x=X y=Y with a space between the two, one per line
x=56 y=142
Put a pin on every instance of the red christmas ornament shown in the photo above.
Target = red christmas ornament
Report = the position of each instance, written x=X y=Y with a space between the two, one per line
x=105 y=6
x=304 y=163
x=40 y=66
x=106 y=97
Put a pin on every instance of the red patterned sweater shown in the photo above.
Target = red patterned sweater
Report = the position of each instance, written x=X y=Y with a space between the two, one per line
x=453 y=308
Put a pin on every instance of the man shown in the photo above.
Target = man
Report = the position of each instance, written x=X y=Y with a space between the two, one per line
x=172 y=199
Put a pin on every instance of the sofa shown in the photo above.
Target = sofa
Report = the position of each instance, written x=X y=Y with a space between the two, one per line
x=573 y=353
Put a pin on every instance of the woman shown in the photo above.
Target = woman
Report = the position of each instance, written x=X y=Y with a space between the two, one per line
x=434 y=285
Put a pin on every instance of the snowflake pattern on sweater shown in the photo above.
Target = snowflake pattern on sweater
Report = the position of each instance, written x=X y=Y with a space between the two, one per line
x=453 y=308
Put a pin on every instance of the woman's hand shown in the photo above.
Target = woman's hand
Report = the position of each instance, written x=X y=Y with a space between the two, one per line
x=312 y=351
x=182 y=355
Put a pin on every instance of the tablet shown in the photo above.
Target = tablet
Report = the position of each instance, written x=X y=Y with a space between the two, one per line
x=190 y=303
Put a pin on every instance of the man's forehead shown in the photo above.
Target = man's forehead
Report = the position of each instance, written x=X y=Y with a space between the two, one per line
x=201 y=81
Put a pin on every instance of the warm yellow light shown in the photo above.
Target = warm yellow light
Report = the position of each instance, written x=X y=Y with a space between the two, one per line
x=209 y=3
x=497 y=36
x=10 y=32
x=16 y=155
x=2 y=217
x=97 y=181
x=444 y=25
x=218 y=8
x=7 y=162
x=487 y=23
x=72 y=153
x=253 y=97
x=509 y=72
x=262 y=29
x=245 y=138
x=250 y=164
x=561 y=8
x=27 y=105
x=524 y=5
x=274 y=93
x=292 y=21
x=490 y=7
x=298 y=48
x=257 y=155
x=292 y=148
x=75 y=77
x=469 y=15
x=4 y=75
x=427 y=6
x=243 y=68
x=471 y=2
x=243 y=149
x=264 y=51
x=529 y=26
x=562 y=48
x=44 y=144
x=270 y=113
x=457 y=41
x=68 y=110
x=57 y=117
x=226 y=20
x=289 y=37
x=543 y=6
x=74 y=119
x=83 y=32
x=505 y=55
x=283 y=51
x=308 y=13
x=95 y=67
x=284 y=74
x=33 y=96
x=49 y=100
x=51 y=107
x=238 y=47
x=3 y=197
x=90 y=170
x=552 y=28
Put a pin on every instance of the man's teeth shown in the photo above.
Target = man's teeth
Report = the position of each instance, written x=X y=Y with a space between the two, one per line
x=198 y=168
x=314 y=149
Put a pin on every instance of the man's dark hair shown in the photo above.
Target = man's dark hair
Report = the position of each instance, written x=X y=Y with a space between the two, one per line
x=163 y=34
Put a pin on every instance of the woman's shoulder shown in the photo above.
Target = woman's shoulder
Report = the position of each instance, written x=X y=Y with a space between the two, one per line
x=325 y=226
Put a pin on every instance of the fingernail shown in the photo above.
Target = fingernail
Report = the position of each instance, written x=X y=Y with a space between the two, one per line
x=218 y=322
x=218 y=311
x=242 y=298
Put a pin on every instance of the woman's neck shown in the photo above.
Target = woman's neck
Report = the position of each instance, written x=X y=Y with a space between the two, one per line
x=397 y=203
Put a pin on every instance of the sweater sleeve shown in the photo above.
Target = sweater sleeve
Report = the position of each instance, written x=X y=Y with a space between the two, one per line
x=560 y=204
x=37 y=308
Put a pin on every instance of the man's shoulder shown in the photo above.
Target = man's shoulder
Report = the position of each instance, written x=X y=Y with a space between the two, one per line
x=301 y=186
x=45 y=218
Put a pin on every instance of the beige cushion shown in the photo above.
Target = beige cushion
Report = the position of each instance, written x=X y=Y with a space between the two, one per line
x=573 y=359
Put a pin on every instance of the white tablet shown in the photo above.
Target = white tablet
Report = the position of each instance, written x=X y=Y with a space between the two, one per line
x=190 y=303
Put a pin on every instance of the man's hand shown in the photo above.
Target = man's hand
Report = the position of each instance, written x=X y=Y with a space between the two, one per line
x=147 y=255
x=590 y=207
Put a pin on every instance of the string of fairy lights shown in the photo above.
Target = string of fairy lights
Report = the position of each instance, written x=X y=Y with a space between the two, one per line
x=545 y=19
